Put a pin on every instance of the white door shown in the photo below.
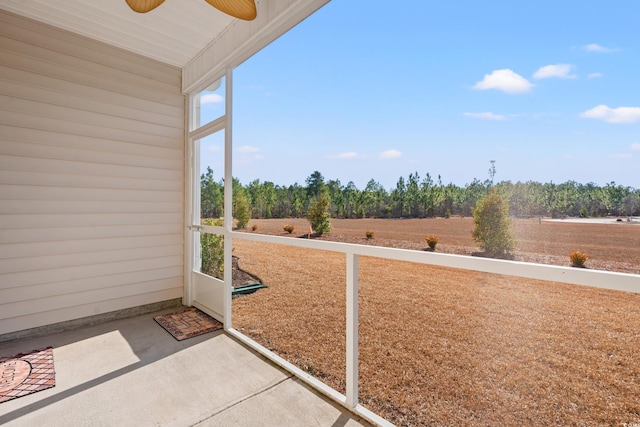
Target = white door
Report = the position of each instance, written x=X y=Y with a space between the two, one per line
x=207 y=273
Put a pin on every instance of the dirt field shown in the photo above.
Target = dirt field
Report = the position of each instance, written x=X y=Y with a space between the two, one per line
x=611 y=247
x=449 y=347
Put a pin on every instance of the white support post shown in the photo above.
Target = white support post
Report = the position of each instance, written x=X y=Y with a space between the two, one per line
x=352 y=330
x=196 y=205
x=192 y=211
x=228 y=201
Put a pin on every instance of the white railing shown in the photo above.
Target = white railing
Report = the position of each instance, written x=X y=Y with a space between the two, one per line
x=594 y=278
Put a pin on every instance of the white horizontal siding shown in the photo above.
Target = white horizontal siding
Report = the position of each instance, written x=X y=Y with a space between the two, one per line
x=25 y=88
x=33 y=235
x=24 y=250
x=91 y=258
x=57 y=194
x=36 y=305
x=45 y=220
x=82 y=47
x=91 y=177
x=54 y=206
x=97 y=307
x=12 y=46
x=90 y=271
x=83 y=115
x=25 y=149
x=67 y=180
x=73 y=89
x=82 y=169
x=26 y=293
x=83 y=142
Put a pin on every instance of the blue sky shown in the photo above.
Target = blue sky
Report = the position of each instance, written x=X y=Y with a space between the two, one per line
x=376 y=90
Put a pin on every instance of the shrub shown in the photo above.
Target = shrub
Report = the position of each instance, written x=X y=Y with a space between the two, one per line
x=432 y=241
x=578 y=259
x=318 y=215
x=212 y=251
x=491 y=221
x=369 y=234
x=254 y=227
x=288 y=228
x=241 y=210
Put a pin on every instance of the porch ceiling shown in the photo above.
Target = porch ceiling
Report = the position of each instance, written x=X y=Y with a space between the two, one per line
x=173 y=33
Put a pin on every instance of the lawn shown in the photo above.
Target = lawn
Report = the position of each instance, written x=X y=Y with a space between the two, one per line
x=442 y=346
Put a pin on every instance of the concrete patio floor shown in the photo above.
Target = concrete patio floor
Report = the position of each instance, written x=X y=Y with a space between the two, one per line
x=131 y=372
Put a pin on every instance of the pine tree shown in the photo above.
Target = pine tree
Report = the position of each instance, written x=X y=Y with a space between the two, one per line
x=241 y=213
x=318 y=214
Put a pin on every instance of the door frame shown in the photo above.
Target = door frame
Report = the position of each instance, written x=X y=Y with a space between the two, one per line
x=209 y=294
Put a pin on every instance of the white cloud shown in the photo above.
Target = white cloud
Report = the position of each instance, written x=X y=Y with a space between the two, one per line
x=486 y=116
x=248 y=149
x=343 y=156
x=532 y=116
x=633 y=147
x=247 y=154
x=594 y=75
x=390 y=154
x=594 y=47
x=555 y=70
x=613 y=115
x=505 y=80
x=211 y=98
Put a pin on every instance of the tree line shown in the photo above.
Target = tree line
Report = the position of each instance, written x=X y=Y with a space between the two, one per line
x=418 y=197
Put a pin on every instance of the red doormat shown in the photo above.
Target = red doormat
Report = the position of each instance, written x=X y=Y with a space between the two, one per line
x=26 y=373
x=187 y=324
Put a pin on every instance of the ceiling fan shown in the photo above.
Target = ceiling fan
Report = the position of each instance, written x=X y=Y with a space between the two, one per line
x=242 y=9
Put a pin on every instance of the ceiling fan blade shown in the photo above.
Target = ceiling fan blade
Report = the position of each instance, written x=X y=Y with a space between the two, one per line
x=144 y=6
x=242 y=9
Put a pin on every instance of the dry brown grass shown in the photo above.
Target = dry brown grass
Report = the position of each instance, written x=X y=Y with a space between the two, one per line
x=442 y=346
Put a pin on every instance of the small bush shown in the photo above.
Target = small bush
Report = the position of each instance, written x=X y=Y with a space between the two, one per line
x=578 y=259
x=369 y=234
x=432 y=241
x=491 y=226
x=288 y=228
x=241 y=210
x=254 y=227
x=212 y=251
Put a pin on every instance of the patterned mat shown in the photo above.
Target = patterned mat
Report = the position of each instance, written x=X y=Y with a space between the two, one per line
x=26 y=373
x=187 y=324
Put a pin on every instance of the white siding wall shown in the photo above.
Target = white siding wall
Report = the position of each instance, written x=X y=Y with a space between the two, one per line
x=91 y=177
